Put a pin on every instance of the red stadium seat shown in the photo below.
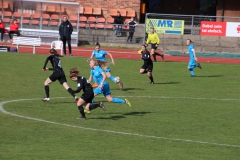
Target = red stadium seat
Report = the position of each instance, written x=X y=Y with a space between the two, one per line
x=101 y=20
x=88 y=10
x=113 y=12
x=131 y=13
x=97 y=11
x=16 y=15
x=34 y=22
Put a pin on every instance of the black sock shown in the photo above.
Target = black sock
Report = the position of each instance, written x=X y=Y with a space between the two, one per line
x=93 y=106
x=156 y=53
x=71 y=92
x=81 y=110
x=154 y=57
x=46 y=91
x=151 y=78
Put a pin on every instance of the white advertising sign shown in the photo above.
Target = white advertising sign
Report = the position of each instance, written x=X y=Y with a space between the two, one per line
x=233 y=29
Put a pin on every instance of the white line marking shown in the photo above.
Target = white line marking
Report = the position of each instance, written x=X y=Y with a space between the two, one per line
x=108 y=131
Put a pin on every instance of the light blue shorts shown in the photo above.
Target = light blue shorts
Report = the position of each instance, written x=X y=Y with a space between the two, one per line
x=191 y=63
x=105 y=90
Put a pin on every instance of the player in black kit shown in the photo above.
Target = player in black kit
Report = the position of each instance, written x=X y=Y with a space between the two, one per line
x=148 y=64
x=58 y=74
x=88 y=94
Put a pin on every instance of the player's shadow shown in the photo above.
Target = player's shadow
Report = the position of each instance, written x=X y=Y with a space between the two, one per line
x=136 y=113
x=211 y=76
x=167 y=83
x=110 y=118
x=128 y=89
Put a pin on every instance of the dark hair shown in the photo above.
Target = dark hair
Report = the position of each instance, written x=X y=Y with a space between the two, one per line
x=74 y=72
x=54 y=52
x=144 y=46
x=97 y=44
x=190 y=40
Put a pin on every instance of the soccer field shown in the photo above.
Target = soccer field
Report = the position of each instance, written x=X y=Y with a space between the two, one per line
x=179 y=117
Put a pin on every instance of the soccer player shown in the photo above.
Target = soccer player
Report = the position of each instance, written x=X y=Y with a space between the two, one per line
x=58 y=74
x=100 y=55
x=154 y=40
x=193 y=58
x=148 y=64
x=88 y=94
x=98 y=75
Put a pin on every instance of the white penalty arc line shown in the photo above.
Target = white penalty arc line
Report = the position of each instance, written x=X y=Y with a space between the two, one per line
x=108 y=131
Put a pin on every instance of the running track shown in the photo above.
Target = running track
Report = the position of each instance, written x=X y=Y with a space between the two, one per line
x=125 y=54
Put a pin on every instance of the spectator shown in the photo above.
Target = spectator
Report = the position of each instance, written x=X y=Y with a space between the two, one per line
x=132 y=24
x=118 y=22
x=13 y=29
x=65 y=32
x=2 y=28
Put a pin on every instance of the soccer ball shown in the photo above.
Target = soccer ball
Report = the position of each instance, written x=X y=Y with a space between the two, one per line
x=116 y=79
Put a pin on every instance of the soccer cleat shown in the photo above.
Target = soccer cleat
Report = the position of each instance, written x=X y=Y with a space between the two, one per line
x=193 y=75
x=87 y=111
x=199 y=66
x=46 y=99
x=128 y=103
x=151 y=82
x=102 y=106
x=120 y=84
x=71 y=55
x=81 y=118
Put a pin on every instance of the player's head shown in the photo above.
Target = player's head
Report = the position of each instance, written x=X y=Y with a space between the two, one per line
x=14 y=21
x=189 y=41
x=92 y=63
x=152 y=29
x=74 y=72
x=132 y=19
x=65 y=18
x=118 y=14
x=144 y=48
x=53 y=52
x=97 y=46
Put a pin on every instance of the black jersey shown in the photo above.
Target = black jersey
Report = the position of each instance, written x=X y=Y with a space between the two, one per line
x=83 y=84
x=56 y=63
x=146 y=56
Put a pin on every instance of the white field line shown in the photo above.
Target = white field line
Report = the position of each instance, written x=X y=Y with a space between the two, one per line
x=110 y=131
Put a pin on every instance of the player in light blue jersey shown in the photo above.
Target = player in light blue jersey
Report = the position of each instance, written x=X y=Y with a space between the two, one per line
x=97 y=73
x=100 y=55
x=193 y=59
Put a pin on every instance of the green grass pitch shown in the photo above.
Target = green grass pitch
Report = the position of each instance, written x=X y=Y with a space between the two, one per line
x=179 y=117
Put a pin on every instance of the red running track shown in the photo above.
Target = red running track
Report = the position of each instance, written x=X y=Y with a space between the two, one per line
x=125 y=54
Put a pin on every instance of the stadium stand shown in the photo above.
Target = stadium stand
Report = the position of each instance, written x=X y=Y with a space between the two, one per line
x=97 y=11
x=91 y=21
x=73 y=19
x=113 y=12
x=123 y=12
x=16 y=15
x=4 y=5
x=35 y=19
x=88 y=11
x=83 y=21
x=81 y=10
x=51 y=9
x=131 y=13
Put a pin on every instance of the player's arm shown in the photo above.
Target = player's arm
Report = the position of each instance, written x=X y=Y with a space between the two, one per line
x=140 y=51
x=90 y=79
x=104 y=78
x=80 y=84
x=185 y=52
x=158 y=39
x=111 y=57
x=45 y=64
x=148 y=39
x=195 y=57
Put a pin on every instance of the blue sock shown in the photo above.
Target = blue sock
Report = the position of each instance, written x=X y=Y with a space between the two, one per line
x=112 y=78
x=118 y=100
x=192 y=72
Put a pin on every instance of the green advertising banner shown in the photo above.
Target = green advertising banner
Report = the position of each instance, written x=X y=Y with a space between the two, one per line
x=166 y=26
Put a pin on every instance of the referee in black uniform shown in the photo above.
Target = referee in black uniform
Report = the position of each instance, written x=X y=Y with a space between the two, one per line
x=65 y=32
x=88 y=94
x=58 y=74
x=148 y=63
